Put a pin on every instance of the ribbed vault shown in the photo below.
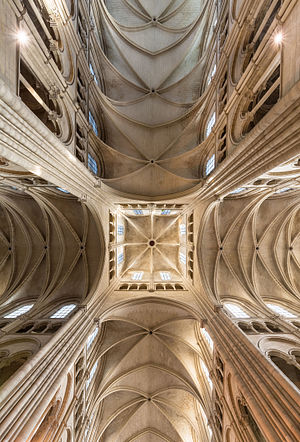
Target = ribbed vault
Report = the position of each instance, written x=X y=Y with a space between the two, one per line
x=148 y=385
x=51 y=248
x=152 y=242
x=152 y=57
x=249 y=248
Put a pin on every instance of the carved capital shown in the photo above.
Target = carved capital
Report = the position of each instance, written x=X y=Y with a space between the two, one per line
x=52 y=116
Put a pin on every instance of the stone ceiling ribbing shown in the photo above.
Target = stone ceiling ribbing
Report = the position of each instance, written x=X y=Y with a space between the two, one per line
x=152 y=63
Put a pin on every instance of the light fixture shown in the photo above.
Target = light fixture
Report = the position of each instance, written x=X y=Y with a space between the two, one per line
x=278 y=38
x=22 y=37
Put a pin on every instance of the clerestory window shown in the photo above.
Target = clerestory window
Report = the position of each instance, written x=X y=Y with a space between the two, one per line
x=210 y=165
x=92 y=374
x=236 y=311
x=92 y=164
x=91 y=338
x=207 y=337
x=206 y=372
x=210 y=124
x=281 y=311
x=63 y=311
x=165 y=276
x=93 y=123
x=137 y=276
x=19 y=311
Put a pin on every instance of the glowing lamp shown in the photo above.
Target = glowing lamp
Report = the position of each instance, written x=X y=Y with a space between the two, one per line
x=278 y=38
x=22 y=37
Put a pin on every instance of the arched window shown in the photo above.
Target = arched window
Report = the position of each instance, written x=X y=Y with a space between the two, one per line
x=207 y=338
x=206 y=372
x=211 y=74
x=63 y=311
x=182 y=228
x=121 y=229
x=236 y=311
x=120 y=255
x=137 y=276
x=182 y=257
x=238 y=190
x=92 y=164
x=92 y=374
x=19 y=311
x=93 y=123
x=62 y=190
x=281 y=311
x=93 y=73
x=91 y=338
x=210 y=165
x=165 y=276
x=250 y=422
x=10 y=364
x=210 y=124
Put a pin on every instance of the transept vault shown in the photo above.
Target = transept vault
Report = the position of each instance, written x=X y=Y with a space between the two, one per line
x=149 y=220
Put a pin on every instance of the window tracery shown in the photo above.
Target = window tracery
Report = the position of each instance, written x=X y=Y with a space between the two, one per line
x=207 y=375
x=92 y=374
x=236 y=311
x=18 y=312
x=210 y=124
x=281 y=311
x=210 y=165
x=63 y=312
x=91 y=338
x=92 y=164
x=207 y=338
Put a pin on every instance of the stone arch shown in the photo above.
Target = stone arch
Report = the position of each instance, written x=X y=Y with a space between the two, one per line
x=13 y=354
x=48 y=425
x=288 y=366
x=9 y=365
x=249 y=421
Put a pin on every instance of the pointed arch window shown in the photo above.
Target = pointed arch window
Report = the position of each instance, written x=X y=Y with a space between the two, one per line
x=63 y=311
x=238 y=190
x=62 y=190
x=210 y=165
x=93 y=73
x=19 y=311
x=212 y=74
x=121 y=229
x=137 y=276
x=182 y=228
x=165 y=276
x=120 y=255
x=281 y=311
x=206 y=372
x=236 y=311
x=93 y=123
x=91 y=338
x=92 y=374
x=182 y=257
x=210 y=124
x=92 y=164
x=207 y=337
